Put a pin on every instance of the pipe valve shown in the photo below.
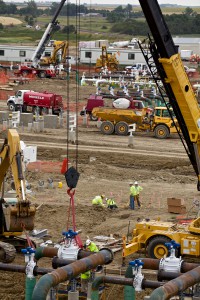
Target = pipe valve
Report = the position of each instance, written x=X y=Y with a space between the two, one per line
x=171 y=263
x=29 y=259
x=69 y=248
x=137 y=266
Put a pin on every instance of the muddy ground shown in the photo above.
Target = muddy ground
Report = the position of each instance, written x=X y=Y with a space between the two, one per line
x=106 y=165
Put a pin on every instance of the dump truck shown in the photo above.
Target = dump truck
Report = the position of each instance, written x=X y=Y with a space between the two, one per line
x=26 y=100
x=101 y=101
x=117 y=120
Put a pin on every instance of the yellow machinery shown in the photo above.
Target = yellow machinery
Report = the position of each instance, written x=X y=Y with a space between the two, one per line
x=16 y=214
x=106 y=60
x=152 y=236
x=58 y=55
x=118 y=120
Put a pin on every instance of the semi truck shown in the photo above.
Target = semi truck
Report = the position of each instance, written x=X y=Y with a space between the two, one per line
x=26 y=100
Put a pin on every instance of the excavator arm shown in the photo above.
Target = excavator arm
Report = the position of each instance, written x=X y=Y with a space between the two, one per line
x=46 y=36
x=58 y=46
x=14 y=217
x=175 y=81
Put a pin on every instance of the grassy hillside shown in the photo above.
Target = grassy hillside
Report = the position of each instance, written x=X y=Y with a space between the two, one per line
x=91 y=28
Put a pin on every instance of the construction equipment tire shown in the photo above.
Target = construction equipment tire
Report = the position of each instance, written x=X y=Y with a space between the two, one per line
x=42 y=74
x=121 y=128
x=93 y=118
x=156 y=247
x=161 y=132
x=12 y=106
x=107 y=127
x=7 y=252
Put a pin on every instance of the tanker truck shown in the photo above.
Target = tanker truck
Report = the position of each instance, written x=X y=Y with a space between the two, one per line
x=28 y=100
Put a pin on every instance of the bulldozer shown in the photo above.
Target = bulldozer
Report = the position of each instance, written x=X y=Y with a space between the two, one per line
x=16 y=213
x=106 y=60
x=58 y=55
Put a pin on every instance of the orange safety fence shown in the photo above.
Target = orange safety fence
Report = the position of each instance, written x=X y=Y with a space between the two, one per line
x=45 y=166
x=4 y=78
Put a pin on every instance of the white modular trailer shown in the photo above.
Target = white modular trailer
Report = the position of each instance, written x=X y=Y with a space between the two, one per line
x=19 y=53
x=126 y=56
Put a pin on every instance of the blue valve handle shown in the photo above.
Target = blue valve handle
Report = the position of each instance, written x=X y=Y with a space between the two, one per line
x=28 y=250
x=69 y=234
x=136 y=263
x=172 y=245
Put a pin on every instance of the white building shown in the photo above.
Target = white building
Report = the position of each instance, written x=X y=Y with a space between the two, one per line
x=19 y=53
x=126 y=56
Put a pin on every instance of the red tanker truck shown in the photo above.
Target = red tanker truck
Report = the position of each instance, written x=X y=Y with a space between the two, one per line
x=27 y=100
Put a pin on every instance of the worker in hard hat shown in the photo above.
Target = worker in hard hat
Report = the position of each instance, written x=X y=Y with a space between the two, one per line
x=135 y=190
x=85 y=277
x=98 y=201
x=91 y=246
x=111 y=203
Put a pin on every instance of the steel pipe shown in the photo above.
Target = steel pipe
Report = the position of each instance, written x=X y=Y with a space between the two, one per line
x=150 y=263
x=60 y=262
x=153 y=264
x=22 y=269
x=51 y=252
x=45 y=252
x=104 y=256
x=176 y=285
x=163 y=275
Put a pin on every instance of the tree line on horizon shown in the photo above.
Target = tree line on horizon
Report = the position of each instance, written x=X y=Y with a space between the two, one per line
x=124 y=19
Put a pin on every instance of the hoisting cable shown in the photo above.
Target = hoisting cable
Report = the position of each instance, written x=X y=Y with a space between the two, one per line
x=72 y=175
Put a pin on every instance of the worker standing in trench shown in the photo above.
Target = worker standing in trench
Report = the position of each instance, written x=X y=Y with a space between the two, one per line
x=135 y=190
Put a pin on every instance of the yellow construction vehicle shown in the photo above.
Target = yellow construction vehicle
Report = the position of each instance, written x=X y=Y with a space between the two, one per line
x=58 y=55
x=106 y=60
x=16 y=214
x=153 y=235
x=117 y=120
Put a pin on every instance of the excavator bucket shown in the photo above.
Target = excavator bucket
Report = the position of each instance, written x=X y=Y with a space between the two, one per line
x=18 y=217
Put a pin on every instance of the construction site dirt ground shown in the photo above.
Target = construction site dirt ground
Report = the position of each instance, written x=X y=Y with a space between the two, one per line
x=106 y=165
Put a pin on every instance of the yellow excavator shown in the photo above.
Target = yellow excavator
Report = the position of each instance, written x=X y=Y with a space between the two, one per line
x=106 y=60
x=16 y=213
x=58 y=55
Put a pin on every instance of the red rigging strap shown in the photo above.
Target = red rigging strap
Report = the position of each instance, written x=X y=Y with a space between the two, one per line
x=30 y=243
x=71 y=209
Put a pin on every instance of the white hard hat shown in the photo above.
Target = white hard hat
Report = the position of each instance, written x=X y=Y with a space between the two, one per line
x=87 y=242
x=130 y=183
x=136 y=182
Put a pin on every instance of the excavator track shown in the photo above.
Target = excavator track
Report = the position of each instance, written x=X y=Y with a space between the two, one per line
x=7 y=252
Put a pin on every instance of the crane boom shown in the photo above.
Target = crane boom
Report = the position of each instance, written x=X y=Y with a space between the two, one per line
x=175 y=81
x=46 y=36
